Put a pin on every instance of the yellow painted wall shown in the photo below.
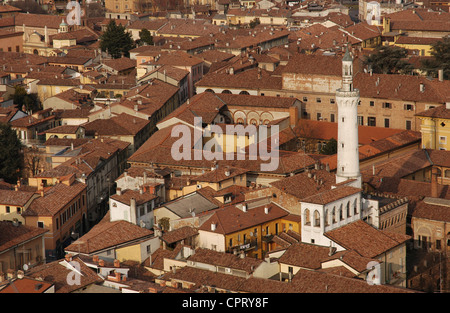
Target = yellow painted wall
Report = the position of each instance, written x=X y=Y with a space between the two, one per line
x=132 y=253
x=434 y=134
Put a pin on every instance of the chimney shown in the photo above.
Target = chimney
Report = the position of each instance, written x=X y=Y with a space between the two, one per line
x=116 y=263
x=20 y=274
x=213 y=227
x=244 y=207
x=434 y=182
x=101 y=262
x=133 y=210
x=266 y=210
x=68 y=257
x=441 y=75
x=10 y=274
x=119 y=191
x=422 y=87
x=95 y=258
x=293 y=116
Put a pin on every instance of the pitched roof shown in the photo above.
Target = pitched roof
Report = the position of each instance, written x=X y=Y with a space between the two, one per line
x=364 y=239
x=11 y=235
x=220 y=174
x=55 y=198
x=227 y=260
x=305 y=184
x=126 y=196
x=179 y=234
x=123 y=124
x=440 y=112
x=332 y=195
x=433 y=209
x=252 y=79
x=57 y=273
x=16 y=198
x=231 y=219
x=108 y=234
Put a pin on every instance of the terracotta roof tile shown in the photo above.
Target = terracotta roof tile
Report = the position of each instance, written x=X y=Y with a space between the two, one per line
x=11 y=235
x=108 y=234
x=371 y=242
x=232 y=219
x=55 y=198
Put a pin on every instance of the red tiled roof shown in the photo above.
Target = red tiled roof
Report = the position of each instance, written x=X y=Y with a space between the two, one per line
x=11 y=235
x=108 y=234
x=231 y=219
x=371 y=242
x=55 y=198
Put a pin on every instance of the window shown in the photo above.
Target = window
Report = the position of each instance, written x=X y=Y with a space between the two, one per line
x=360 y=120
x=371 y=121
x=306 y=217
x=319 y=116
x=408 y=125
x=8 y=209
x=372 y=103
x=438 y=244
x=386 y=123
x=332 y=101
x=332 y=118
x=316 y=218
x=318 y=100
x=408 y=107
x=387 y=105
x=442 y=139
x=305 y=99
x=40 y=224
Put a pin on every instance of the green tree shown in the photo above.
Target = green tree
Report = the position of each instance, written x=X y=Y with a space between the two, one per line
x=164 y=223
x=22 y=98
x=440 y=52
x=388 y=60
x=253 y=23
x=329 y=148
x=116 y=41
x=11 y=156
x=145 y=38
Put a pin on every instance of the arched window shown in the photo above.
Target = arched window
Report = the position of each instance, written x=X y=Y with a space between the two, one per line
x=355 y=207
x=327 y=218
x=316 y=218
x=243 y=92
x=226 y=91
x=341 y=213
x=333 y=215
x=349 y=213
x=209 y=90
x=306 y=217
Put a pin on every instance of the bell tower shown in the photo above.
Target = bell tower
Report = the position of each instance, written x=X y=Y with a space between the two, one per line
x=347 y=98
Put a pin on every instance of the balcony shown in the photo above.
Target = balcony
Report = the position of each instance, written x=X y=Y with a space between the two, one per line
x=246 y=246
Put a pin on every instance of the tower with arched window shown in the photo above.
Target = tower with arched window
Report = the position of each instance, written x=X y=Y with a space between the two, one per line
x=347 y=98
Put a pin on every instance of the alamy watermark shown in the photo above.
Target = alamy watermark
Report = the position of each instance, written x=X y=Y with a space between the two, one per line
x=245 y=142
x=76 y=12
